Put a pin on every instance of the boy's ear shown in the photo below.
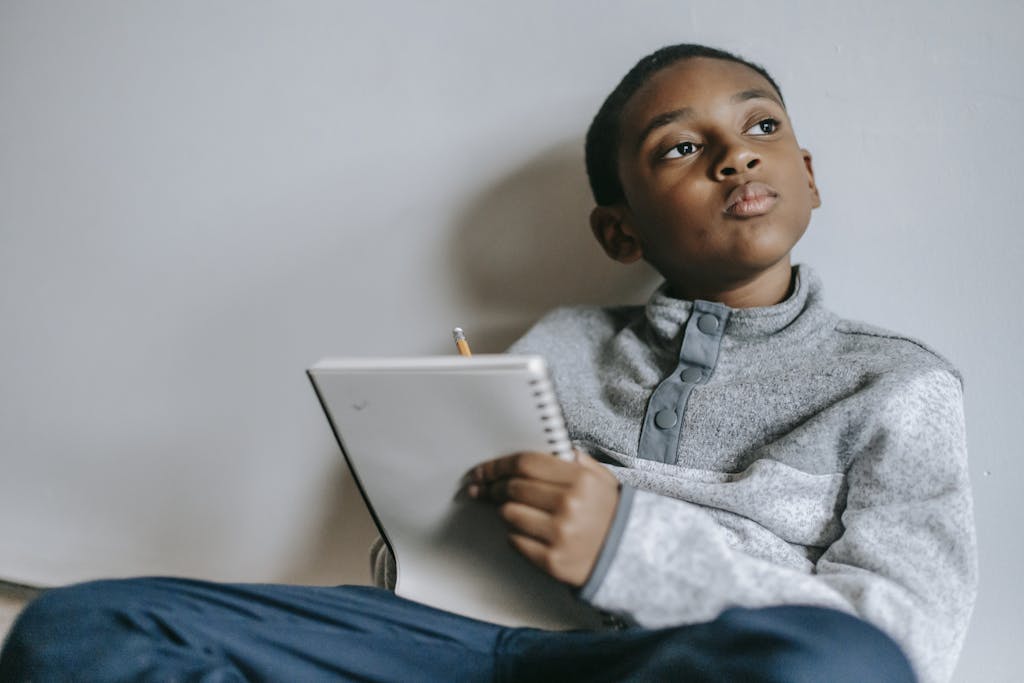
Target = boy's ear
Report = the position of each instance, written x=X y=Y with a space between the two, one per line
x=810 y=178
x=612 y=226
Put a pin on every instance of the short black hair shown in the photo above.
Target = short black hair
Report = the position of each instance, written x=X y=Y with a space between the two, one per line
x=603 y=135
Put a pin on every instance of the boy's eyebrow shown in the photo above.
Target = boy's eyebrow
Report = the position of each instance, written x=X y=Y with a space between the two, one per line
x=668 y=117
x=755 y=94
x=662 y=120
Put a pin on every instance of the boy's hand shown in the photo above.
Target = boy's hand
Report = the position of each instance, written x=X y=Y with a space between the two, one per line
x=558 y=511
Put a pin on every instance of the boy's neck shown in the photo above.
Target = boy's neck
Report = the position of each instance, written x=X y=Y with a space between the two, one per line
x=768 y=288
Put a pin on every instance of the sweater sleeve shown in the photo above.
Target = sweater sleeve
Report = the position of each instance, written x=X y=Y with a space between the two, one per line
x=905 y=560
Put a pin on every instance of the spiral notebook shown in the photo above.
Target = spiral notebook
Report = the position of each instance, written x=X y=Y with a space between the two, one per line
x=410 y=429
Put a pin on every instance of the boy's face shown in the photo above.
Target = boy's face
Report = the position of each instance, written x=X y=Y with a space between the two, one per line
x=717 y=189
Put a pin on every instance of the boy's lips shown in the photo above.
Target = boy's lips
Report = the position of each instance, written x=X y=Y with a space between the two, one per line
x=751 y=199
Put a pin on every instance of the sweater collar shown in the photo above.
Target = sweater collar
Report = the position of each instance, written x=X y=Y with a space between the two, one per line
x=666 y=315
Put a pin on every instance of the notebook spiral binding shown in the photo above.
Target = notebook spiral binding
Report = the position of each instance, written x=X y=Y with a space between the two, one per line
x=551 y=414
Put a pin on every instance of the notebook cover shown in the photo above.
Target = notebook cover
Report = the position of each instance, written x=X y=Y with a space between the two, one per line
x=410 y=428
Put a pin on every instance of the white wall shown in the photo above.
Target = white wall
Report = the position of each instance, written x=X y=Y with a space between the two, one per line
x=197 y=200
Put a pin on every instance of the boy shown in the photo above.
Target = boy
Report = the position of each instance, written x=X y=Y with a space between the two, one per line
x=771 y=469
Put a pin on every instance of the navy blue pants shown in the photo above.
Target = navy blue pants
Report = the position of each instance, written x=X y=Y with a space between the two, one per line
x=164 y=629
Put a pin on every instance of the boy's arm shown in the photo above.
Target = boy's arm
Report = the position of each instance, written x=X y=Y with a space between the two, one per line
x=906 y=560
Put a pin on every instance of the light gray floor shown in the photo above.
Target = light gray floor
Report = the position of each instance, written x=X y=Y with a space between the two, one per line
x=12 y=599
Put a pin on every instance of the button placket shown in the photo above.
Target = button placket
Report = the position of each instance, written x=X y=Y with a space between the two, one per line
x=698 y=354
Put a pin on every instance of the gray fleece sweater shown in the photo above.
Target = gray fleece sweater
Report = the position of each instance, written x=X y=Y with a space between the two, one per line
x=769 y=456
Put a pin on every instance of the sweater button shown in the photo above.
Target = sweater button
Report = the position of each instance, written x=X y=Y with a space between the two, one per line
x=692 y=375
x=665 y=418
x=707 y=323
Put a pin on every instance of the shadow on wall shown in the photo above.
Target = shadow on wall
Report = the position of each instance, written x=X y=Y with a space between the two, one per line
x=524 y=246
x=520 y=248
x=339 y=552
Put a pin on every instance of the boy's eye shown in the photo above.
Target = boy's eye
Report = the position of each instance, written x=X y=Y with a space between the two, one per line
x=764 y=127
x=683 y=149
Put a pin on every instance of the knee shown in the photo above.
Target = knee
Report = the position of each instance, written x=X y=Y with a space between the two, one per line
x=68 y=601
x=817 y=644
x=59 y=629
x=44 y=640
x=60 y=612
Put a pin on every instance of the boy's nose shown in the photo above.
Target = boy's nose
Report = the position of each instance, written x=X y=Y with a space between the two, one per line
x=736 y=160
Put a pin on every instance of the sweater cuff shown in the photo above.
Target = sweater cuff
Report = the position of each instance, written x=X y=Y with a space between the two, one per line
x=611 y=544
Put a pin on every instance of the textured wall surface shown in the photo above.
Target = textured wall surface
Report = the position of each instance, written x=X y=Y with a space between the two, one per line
x=198 y=200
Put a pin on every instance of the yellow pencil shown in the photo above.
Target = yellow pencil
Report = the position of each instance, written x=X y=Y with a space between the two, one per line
x=460 y=342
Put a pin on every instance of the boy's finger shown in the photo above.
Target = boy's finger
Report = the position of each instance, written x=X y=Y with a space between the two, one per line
x=528 y=464
x=533 y=492
x=526 y=520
